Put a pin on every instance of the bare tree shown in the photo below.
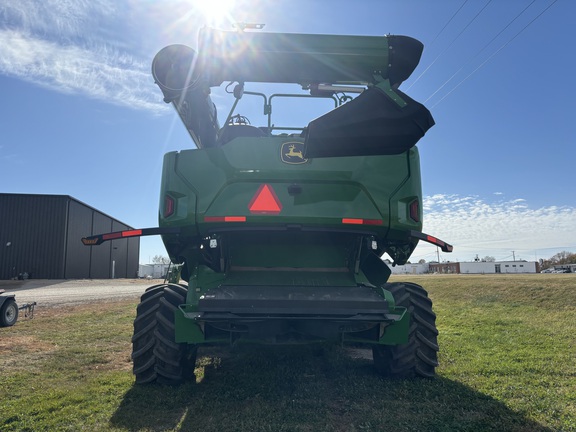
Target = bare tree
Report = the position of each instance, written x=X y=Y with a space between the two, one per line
x=159 y=259
x=563 y=257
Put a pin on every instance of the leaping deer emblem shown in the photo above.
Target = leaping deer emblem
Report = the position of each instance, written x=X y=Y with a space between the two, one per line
x=292 y=152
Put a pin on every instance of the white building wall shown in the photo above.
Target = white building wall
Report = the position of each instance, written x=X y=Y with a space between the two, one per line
x=477 y=267
x=155 y=271
x=410 y=269
x=517 y=267
x=492 y=267
x=145 y=270
x=160 y=270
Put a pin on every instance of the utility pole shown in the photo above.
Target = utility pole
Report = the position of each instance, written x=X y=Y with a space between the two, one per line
x=513 y=256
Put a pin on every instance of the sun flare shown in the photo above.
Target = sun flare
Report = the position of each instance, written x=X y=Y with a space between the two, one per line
x=216 y=12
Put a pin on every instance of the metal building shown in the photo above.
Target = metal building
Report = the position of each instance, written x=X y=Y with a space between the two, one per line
x=475 y=267
x=40 y=238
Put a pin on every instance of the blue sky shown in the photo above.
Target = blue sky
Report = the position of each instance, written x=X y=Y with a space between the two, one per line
x=81 y=116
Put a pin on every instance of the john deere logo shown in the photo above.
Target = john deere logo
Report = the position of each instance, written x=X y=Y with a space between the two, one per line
x=291 y=153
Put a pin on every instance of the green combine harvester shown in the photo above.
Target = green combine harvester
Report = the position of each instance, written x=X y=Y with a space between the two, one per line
x=280 y=230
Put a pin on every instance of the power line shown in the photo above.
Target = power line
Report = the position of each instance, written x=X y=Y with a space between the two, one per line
x=480 y=52
x=496 y=52
x=450 y=44
x=449 y=21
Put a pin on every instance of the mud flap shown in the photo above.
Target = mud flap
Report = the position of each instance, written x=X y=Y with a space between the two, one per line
x=187 y=330
x=397 y=333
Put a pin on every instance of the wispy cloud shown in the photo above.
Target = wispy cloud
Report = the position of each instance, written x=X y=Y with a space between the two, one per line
x=58 y=44
x=475 y=226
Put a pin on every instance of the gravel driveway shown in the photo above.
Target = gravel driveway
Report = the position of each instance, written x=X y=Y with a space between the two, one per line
x=65 y=292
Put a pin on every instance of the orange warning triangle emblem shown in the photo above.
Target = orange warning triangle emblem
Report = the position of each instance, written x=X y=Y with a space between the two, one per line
x=265 y=201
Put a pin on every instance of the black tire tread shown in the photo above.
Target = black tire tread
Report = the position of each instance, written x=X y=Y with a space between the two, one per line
x=418 y=357
x=155 y=354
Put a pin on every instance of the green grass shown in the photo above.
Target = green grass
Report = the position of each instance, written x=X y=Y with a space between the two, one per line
x=507 y=364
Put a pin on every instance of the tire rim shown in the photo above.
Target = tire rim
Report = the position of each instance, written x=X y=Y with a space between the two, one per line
x=10 y=313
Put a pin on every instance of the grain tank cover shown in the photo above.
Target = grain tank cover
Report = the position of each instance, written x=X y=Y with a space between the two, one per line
x=371 y=124
x=304 y=58
x=381 y=120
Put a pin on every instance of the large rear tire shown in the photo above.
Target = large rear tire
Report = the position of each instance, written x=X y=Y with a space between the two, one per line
x=156 y=355
x=418 y=357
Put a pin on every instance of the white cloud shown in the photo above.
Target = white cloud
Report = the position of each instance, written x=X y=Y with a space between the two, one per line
x=47 y=43
x=475 y=226
x=61 y=19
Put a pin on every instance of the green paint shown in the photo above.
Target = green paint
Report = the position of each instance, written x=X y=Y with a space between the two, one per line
x=323 y=222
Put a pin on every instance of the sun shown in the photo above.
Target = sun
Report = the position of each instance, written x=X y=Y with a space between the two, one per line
x=216 y=12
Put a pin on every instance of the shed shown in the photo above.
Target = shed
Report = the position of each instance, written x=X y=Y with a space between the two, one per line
x=40 y=238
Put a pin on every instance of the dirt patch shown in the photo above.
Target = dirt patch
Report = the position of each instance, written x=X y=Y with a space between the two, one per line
x=32 y=344
x=121 y=361
x=23 y=352
x=17 y=343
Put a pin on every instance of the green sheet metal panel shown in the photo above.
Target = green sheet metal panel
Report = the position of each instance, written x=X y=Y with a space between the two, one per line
x=303 y=58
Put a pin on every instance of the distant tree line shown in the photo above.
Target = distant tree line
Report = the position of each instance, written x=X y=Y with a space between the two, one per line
x=560 y=258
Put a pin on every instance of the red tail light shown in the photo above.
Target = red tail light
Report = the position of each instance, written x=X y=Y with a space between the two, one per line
x=168 y=206
x=415 y=210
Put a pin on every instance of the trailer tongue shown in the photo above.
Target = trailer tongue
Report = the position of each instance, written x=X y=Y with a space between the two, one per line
x=9 y=309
